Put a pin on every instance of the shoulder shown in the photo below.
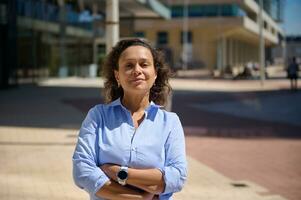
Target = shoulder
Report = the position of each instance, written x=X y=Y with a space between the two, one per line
x=95 y=112
x=101 y=111
x=95 y=109
x=170 y=117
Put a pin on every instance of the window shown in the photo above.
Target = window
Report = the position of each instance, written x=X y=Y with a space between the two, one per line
x=265 y=24
x=177 y=11
x=207 y=10
x=162 y=38
x=140 y=34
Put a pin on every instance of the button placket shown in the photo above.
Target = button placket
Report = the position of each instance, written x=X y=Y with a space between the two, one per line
x=133 y=148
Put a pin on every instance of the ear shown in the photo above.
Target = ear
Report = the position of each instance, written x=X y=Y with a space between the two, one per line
x=116 y=74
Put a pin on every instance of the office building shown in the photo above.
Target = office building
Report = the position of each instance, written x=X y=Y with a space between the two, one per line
x=41 y=38
x=218 y=35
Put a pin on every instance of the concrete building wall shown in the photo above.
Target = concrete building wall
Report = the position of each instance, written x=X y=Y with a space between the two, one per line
x=206 y=41
x=218 y=42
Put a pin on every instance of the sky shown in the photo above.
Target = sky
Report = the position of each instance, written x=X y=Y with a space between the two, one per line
x=292 y=17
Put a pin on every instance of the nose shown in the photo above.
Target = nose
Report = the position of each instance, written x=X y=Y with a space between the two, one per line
x=137 y=69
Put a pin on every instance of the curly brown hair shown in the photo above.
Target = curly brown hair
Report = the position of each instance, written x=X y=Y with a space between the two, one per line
x=159 y=91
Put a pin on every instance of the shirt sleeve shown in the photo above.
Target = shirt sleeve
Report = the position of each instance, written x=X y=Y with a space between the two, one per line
x=175 y=170
x=86 y=172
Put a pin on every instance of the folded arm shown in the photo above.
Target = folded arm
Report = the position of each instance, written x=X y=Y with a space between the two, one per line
x=170 y=178
x=87 y=175
x=114 y=191
x=150 y=180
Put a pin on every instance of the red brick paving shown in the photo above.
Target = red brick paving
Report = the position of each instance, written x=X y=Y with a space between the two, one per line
x=272 y=163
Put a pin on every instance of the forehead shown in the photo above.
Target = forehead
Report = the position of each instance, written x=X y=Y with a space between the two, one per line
x=136 y=52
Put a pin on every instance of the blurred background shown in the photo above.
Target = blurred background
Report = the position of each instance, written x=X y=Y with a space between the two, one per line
x=41 y=39
x=241 y=118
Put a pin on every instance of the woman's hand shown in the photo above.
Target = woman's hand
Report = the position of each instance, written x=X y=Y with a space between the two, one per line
x=149 y=196
x=110 y=170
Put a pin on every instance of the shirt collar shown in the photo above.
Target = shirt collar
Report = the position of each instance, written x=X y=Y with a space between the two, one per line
x=117 y=102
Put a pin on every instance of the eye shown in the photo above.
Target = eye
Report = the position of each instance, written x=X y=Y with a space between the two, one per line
x=145 y=64
x=128 y=65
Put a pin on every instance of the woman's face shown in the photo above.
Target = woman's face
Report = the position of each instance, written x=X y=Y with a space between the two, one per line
x=136 y=73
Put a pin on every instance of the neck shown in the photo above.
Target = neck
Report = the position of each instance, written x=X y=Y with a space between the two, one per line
x=135 y=103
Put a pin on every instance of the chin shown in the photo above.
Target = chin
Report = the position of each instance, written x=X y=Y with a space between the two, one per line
x=140 y=90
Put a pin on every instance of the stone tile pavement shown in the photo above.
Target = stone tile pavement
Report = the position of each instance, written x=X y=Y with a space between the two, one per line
x=36 y=164
x=38 y=129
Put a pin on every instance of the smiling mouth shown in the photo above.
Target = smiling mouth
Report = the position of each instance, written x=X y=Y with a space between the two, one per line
x=137 y=80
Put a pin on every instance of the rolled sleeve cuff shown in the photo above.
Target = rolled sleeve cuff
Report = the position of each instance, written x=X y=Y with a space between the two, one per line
x=173 y=180
x=96 y=180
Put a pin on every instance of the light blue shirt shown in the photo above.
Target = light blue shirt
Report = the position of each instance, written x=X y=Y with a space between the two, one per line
x=108 y=135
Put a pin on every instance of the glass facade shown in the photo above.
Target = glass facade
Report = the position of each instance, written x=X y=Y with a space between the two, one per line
x=48 y=11
x=274 y=8
x=43 y=51
x=212 y=10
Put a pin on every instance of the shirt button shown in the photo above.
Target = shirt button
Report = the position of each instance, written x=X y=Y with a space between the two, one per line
x=133 y=149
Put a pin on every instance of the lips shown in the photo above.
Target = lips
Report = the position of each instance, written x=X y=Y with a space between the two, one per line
x=137 y=79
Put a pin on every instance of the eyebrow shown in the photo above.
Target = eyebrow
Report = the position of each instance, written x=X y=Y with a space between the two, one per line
x=133 y=59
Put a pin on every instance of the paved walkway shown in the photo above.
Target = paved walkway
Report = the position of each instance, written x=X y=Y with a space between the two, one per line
x=36 y=164
x=38 y=128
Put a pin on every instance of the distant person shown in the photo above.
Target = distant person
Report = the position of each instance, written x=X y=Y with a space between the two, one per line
x=292 y=73
x=130 y=148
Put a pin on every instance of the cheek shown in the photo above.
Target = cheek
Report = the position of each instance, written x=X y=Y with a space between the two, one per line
x=151 y=73
x=123 y=77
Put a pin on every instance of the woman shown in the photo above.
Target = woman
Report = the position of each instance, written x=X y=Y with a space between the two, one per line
x=130 y=148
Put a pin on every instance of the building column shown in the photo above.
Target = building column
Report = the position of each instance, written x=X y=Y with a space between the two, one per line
x=245 y=48
x=257 y=54
x=63 y=69
x=112 y=24
x=230 y=52
x=93 y=67
x=242 y=54
x=234 y=53
x=254 y=53
x=237 y=52
x=221 y=54
x=248 y=52
x=224 y=54
x=284 y=57
x=218 y=55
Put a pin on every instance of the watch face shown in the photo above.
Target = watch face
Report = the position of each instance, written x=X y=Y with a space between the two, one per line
x=122 y=175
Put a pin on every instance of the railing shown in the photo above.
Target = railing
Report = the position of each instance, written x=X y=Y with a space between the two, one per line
x=45 y=11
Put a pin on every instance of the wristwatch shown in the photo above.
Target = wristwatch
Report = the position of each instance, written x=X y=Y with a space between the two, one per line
x=122 y=175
